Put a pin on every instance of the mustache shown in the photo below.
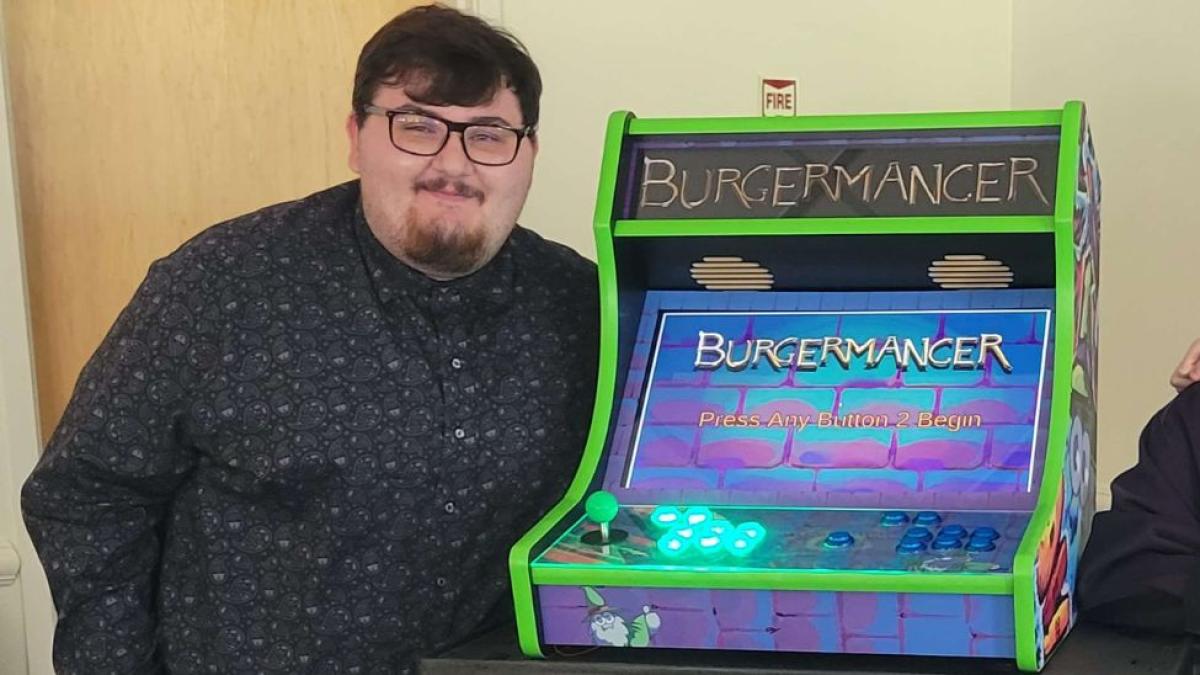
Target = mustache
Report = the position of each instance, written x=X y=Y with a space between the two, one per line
x=457 y=187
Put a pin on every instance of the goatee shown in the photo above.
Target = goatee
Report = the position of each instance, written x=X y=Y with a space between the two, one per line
x=440 y=245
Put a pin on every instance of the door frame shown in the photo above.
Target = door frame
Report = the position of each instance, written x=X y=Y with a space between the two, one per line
x=28 y=607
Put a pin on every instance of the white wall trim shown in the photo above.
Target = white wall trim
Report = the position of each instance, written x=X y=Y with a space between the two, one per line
x=20 y=444
x=10 y=564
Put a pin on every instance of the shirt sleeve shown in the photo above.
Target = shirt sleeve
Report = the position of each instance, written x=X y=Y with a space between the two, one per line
x=1141 y=562
x=96 y=500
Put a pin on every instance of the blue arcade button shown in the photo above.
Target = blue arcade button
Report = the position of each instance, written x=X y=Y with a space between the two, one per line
x=957 y=531
x=980 y=545
x=893 y=519
x=918 y=533
x=988 y=533
x=910 y=546
x=927 y=518
x=946 y=543
x=839 y=539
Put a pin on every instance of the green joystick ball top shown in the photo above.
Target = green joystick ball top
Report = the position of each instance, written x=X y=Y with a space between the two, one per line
x=601 y=508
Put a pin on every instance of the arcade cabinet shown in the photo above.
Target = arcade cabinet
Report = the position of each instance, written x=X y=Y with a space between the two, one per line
x=846 y=396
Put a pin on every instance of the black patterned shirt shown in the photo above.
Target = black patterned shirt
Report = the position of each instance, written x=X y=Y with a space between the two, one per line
x=294 y=454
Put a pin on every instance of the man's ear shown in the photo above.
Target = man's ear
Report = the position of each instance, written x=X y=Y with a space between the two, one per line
x=352 y=136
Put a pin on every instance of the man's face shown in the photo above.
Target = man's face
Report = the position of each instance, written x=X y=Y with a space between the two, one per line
x=443 y=215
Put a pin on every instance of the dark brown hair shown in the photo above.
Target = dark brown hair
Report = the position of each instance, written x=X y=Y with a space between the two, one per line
x=445 y=57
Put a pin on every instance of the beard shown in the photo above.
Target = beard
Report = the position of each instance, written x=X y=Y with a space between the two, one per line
x=442 y=248
x=616 y=635
x=441 y=245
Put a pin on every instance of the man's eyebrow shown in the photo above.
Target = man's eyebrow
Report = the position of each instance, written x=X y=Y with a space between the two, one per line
x=482 y=119
x=492 y=119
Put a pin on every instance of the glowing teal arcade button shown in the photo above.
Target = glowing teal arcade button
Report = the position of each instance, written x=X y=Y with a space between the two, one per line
x=752 y=531
x=672 y=545
x=666 y=516
x=697 y=514
x=709 y=538
x=744 y=538
x=739 y=545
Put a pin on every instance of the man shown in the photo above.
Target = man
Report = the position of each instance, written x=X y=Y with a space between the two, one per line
x=309 y=441
x=1142 y=563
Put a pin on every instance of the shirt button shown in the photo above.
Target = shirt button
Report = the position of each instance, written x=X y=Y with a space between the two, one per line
x=459 y=433
x=449 y=507
x=440 y=581
x=456 y=363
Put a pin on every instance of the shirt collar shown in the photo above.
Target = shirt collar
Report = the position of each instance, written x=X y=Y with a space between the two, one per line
x=485 y=291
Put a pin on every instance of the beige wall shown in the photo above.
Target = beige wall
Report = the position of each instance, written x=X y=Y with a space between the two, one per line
x=685 y=58
x=1135 y=64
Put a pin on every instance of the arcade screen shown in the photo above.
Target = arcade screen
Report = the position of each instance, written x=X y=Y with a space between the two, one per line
x=790 y=397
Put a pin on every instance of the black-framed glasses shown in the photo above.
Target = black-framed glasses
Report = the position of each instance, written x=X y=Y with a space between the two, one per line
x=423 y=134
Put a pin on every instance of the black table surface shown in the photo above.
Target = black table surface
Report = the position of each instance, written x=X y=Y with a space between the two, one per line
x=1090 y=649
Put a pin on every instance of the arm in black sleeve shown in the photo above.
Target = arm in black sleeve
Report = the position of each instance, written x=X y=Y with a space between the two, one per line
x=96 y=499
x=1142 y=560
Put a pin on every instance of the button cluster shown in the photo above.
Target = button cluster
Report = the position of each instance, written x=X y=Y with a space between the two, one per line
x=697 y=528
x=949 y=537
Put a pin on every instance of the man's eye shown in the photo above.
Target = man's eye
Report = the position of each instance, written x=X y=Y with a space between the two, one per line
x=418 y=128
x=486 y=136
x=416 y=124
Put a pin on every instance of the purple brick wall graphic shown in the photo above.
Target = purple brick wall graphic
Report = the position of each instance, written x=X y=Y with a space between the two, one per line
x=921 y=449
x=830 y=436
x=670 y=446
x=771 y=480
x=684 y=406
x=897 y=402
x=1009 y=448
x=792 y=621
x=790 y=401
x=838 y=448
x=742 y=448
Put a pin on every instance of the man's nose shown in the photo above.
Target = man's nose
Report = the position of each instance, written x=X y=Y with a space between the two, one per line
x=452 y=159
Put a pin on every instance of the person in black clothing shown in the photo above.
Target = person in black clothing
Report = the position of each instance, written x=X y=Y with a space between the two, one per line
x=1141 y=567
x=1187 y=372
x=308 y=442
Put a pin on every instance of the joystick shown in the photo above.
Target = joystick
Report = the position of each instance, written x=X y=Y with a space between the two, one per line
x=601 y=508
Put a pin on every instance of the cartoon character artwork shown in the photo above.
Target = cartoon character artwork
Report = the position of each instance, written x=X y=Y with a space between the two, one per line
x=1063 y=541
x=1054 y=589
x=1085 y=372
x=610 y=629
